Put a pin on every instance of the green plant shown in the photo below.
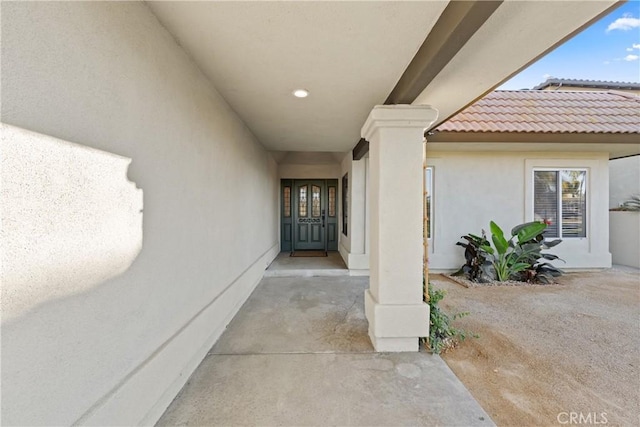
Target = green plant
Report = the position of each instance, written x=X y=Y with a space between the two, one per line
x=506 y=260
x=518 y=258
x=542 y=272
x=442 y=335
x=476 y=263
x=530 y=252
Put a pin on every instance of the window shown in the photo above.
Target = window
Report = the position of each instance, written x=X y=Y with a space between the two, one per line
x=315 y=201
x=332 y=201
x=286 y=197
x=428 y=179
x=302 y=201
x=345 y=202
x=560 y=200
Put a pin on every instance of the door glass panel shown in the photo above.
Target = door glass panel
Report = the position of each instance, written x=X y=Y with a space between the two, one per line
x=286 y=197
x=332 y=201
x=315 y=201
x=302 y=201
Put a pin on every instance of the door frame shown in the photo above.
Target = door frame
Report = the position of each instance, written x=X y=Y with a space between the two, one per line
x=329 y=221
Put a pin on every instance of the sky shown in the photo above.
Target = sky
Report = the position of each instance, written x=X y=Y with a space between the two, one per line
x=607 y=50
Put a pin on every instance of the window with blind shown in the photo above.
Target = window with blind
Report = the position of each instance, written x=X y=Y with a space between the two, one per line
x=429 y=198
x=560 y=200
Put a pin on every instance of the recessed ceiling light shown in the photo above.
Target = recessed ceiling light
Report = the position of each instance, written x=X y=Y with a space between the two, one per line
x=300 y=93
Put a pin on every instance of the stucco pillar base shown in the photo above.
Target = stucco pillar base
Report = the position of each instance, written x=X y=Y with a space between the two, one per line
x=396 y=327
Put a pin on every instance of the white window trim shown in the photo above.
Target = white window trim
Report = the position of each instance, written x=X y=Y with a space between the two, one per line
x=436 y=164
x=559 y=207
x=431 y=207
x=532 y=165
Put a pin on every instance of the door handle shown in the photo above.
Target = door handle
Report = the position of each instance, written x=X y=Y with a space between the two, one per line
x=323 y=215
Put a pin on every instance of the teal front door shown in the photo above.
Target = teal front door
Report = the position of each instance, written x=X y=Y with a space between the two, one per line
x=309 y=215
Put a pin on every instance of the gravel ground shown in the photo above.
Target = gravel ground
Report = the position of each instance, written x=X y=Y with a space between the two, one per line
x=545 y=352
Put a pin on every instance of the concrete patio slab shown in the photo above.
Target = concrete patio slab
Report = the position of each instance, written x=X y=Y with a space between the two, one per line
x=298 y=353
x=287 y=266
x=325 y=389
x=300 y=315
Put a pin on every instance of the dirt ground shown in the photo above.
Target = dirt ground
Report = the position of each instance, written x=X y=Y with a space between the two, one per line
x=545 y=352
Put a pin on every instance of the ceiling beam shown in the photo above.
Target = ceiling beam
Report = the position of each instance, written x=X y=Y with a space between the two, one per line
x=459 y=21
x=361 y=148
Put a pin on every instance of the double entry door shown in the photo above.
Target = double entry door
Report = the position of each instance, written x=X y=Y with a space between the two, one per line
x=309 y=213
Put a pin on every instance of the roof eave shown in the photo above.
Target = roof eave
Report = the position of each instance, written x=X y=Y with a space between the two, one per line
x=529 y=137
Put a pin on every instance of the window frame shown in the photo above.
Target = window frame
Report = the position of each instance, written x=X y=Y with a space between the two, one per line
x=430 y=192
x=345 y=204
x=559 y=170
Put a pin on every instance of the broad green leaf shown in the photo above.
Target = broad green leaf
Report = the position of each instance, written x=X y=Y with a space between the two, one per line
x=517 y=228
x=488 y=249
x=531 y=231
x=496 y=230
x=520 y=266
x=500 y=243
x=552 y=243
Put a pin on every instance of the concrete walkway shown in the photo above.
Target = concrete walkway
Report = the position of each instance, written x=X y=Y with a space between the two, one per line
x=287 y=266
x=298 y=353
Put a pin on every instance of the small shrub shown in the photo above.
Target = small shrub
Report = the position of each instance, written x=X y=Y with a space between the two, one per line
x=518 y=258
x=506 y=260
x=476 y=263
x=442 y=335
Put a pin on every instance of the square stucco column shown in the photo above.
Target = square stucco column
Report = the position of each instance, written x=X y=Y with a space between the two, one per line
x=394 y=307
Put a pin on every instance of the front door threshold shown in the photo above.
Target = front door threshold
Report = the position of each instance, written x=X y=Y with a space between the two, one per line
x=308 y=254
x=286 y=265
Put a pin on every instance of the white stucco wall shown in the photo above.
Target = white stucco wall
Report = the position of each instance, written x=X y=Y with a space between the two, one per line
x=625 y=238
x=138 y=298
x=473 y=188
x=298 y=171
x=624 y=179
x=353 y=247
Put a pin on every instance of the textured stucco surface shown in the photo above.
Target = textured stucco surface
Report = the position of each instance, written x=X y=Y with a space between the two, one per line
x=471 y=189
x=114 y=347
x=71 y=219
x=624 y=180
x=625 y=238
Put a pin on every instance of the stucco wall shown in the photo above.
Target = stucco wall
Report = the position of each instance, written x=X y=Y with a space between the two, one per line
x=109 y=328
x=625 y=238
x=471 y=189
x=353 y=246
x=624 y=179
x=297 y=171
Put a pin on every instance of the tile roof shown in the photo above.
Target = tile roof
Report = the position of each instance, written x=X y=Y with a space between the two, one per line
x=534 y=111
x=595 y=84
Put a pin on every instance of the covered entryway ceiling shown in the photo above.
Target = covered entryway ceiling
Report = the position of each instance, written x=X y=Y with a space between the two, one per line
x=351 y=55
